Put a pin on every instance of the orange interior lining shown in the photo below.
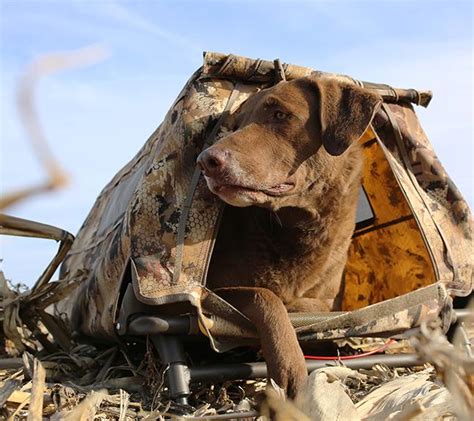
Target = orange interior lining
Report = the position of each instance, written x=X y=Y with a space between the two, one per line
x=389 y=257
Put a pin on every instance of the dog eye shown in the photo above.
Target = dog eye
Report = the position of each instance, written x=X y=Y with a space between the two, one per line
x=280 y=115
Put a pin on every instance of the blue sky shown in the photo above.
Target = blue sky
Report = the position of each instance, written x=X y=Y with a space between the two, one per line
x=96 y=118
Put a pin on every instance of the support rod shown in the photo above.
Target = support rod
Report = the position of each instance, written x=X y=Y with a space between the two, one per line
x=223 y=372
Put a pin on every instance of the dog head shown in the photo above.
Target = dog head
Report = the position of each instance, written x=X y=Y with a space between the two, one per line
x=268 y=160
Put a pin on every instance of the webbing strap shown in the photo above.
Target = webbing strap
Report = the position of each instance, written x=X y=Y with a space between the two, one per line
x=193 y=185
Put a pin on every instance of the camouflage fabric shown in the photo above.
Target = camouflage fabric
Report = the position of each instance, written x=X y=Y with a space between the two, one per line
x=137 y=216
x=156 y=221
x=402 y=313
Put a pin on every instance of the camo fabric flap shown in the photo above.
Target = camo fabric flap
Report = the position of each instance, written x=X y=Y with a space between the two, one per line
x=167 y=201
x=384 y=318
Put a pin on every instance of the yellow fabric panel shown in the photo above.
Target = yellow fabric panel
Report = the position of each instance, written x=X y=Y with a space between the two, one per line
x=385 y=263
x=388 y=258
x=384 y=194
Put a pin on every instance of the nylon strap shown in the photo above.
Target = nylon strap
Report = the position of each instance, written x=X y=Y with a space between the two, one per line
x=193 y=185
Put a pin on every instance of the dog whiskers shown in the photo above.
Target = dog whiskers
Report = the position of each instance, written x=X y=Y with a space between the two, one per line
x=277 y=219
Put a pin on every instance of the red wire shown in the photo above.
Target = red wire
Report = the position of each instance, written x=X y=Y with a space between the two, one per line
x=352 y=357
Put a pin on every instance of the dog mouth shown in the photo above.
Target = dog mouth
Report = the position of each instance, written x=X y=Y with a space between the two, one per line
x=235 y=188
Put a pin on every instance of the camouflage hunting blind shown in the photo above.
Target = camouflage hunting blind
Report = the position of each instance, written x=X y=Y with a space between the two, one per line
x=155 y=223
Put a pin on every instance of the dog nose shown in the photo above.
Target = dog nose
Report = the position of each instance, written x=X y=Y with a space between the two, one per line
x=213 y=161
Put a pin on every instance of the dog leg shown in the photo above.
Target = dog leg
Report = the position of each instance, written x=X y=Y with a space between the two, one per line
x=280 y=347
x=310 y=305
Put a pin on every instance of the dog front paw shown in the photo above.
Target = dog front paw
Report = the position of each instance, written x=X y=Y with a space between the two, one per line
x=291 y=376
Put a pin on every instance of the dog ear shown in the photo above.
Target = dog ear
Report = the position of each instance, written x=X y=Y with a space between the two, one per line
x=345 y=113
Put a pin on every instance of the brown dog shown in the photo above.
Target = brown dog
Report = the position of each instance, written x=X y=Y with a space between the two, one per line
x=291 y=171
